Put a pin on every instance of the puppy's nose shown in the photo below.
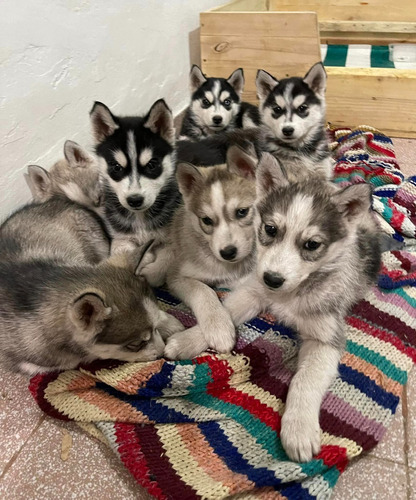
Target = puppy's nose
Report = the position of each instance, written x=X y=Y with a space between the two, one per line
x=273 y=280
x=288 y=131
x=135 y=201
x=217 y=119
x=228 y=253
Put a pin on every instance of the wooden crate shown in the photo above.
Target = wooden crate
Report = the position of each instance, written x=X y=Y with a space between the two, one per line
x=283 y=37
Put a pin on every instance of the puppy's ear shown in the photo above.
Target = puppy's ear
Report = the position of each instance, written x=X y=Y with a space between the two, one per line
x=196 y=78
x=236 y=80
x=160 y=121
x=354 y=201
x=39 y=182
x=88 y=313
x=241 y=163
x=131 y=259
x=76 y=155
x=189 y=178
x=265 y=83
x=270 y=175
x=315 y=78
x=104 y=123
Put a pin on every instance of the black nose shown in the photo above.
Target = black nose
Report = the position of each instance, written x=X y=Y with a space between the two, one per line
x=273 y=280
x=228 y=253
x=135 y=201
x=217 y=120
x=288 y=131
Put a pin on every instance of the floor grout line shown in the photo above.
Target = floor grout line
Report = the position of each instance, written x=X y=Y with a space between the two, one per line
x=17 y=453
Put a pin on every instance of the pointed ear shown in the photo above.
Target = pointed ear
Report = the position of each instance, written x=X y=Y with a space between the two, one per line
x=104 y=123
x=353 y=201
x=315 y=78
x=241 y=163
x=265 y=83
x=88 y=313
x=270 y=175
x=160 y=121
x=196 y=78
x=236 y=80
x=130 y=259
x=39 y=182
x=188 y=177
x=76 y=155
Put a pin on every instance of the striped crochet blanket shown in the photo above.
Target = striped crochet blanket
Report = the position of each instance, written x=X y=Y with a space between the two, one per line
x=209 y=428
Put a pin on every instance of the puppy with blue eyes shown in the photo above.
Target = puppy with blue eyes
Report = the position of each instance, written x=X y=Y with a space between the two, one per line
x=212 y=243
x=216 y=106
x=293 y=113
x=137 y=160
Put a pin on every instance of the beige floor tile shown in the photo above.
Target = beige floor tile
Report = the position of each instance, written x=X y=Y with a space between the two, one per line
x=392 y=445
x=90 y=471
x=412 y=484
x=411 y=419
x=405 y=150
x=19 y=415
x=370 y=478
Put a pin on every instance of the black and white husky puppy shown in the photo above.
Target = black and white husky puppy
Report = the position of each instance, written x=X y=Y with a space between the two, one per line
x=293 y=114
x=137 y=161
x=216 y=105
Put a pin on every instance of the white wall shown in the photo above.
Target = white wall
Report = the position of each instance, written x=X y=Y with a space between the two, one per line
x=58 y=56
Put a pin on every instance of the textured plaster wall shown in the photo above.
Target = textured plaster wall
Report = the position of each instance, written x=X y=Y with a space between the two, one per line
x=58 y=56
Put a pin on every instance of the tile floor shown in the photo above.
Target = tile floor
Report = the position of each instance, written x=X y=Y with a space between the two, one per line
x=33 y=464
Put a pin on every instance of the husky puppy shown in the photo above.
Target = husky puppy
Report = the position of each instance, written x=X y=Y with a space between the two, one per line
x=213 y=244
x=317 y=255
x=61 y=303
x=138 y=168
x=77 y=177
x=293 y=113
x=216 y=105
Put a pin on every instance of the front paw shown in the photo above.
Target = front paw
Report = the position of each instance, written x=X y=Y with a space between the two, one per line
x=300 y=436
x=169 y=325
x=220 y=333
x=186 y=344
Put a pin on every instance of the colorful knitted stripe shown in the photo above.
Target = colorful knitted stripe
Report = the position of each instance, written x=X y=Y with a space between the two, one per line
x=367 y=56
x=209 y=428
x=364 y=154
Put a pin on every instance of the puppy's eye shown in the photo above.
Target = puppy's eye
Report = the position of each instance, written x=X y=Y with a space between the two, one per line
x=241 y=213
x=303 y=108
x=115 y=166
x=207 y=221
x=312 y=245
x=227 y=102
x=136 y=346
x=153 y=164
x=277 y=110
x=270 y=230
x=205 y=103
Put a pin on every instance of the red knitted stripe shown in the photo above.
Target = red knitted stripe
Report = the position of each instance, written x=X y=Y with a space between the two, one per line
x=230 y=395
x=161 y=470
x=405 y=262
x=37 y=387
x=397 y=217
x=334 y=455
x=131 y=455
x=380 y=149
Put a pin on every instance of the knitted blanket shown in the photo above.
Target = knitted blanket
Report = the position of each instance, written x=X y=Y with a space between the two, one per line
x=209 y=427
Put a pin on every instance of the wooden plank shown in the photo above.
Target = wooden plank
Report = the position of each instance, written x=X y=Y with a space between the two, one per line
x=243 y=6
x=370 y=26
x=346 y=38
x=380 y=97
x=263 y=24
x=352 y=10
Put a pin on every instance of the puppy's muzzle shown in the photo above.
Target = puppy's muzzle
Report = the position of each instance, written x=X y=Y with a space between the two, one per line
x=273 y=280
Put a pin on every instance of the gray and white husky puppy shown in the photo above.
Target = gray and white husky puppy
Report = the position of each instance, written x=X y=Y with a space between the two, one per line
x=137 y=161
x=213 y=244
x=77 y=177
x=317 y=255
x=293 y=114
x=216 y=105
x=61 y=303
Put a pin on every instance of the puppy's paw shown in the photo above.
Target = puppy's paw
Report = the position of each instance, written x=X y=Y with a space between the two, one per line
x=300 y=436
x=220 y=333
x=169 y=325
x=186 y=344
x=153 y=273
